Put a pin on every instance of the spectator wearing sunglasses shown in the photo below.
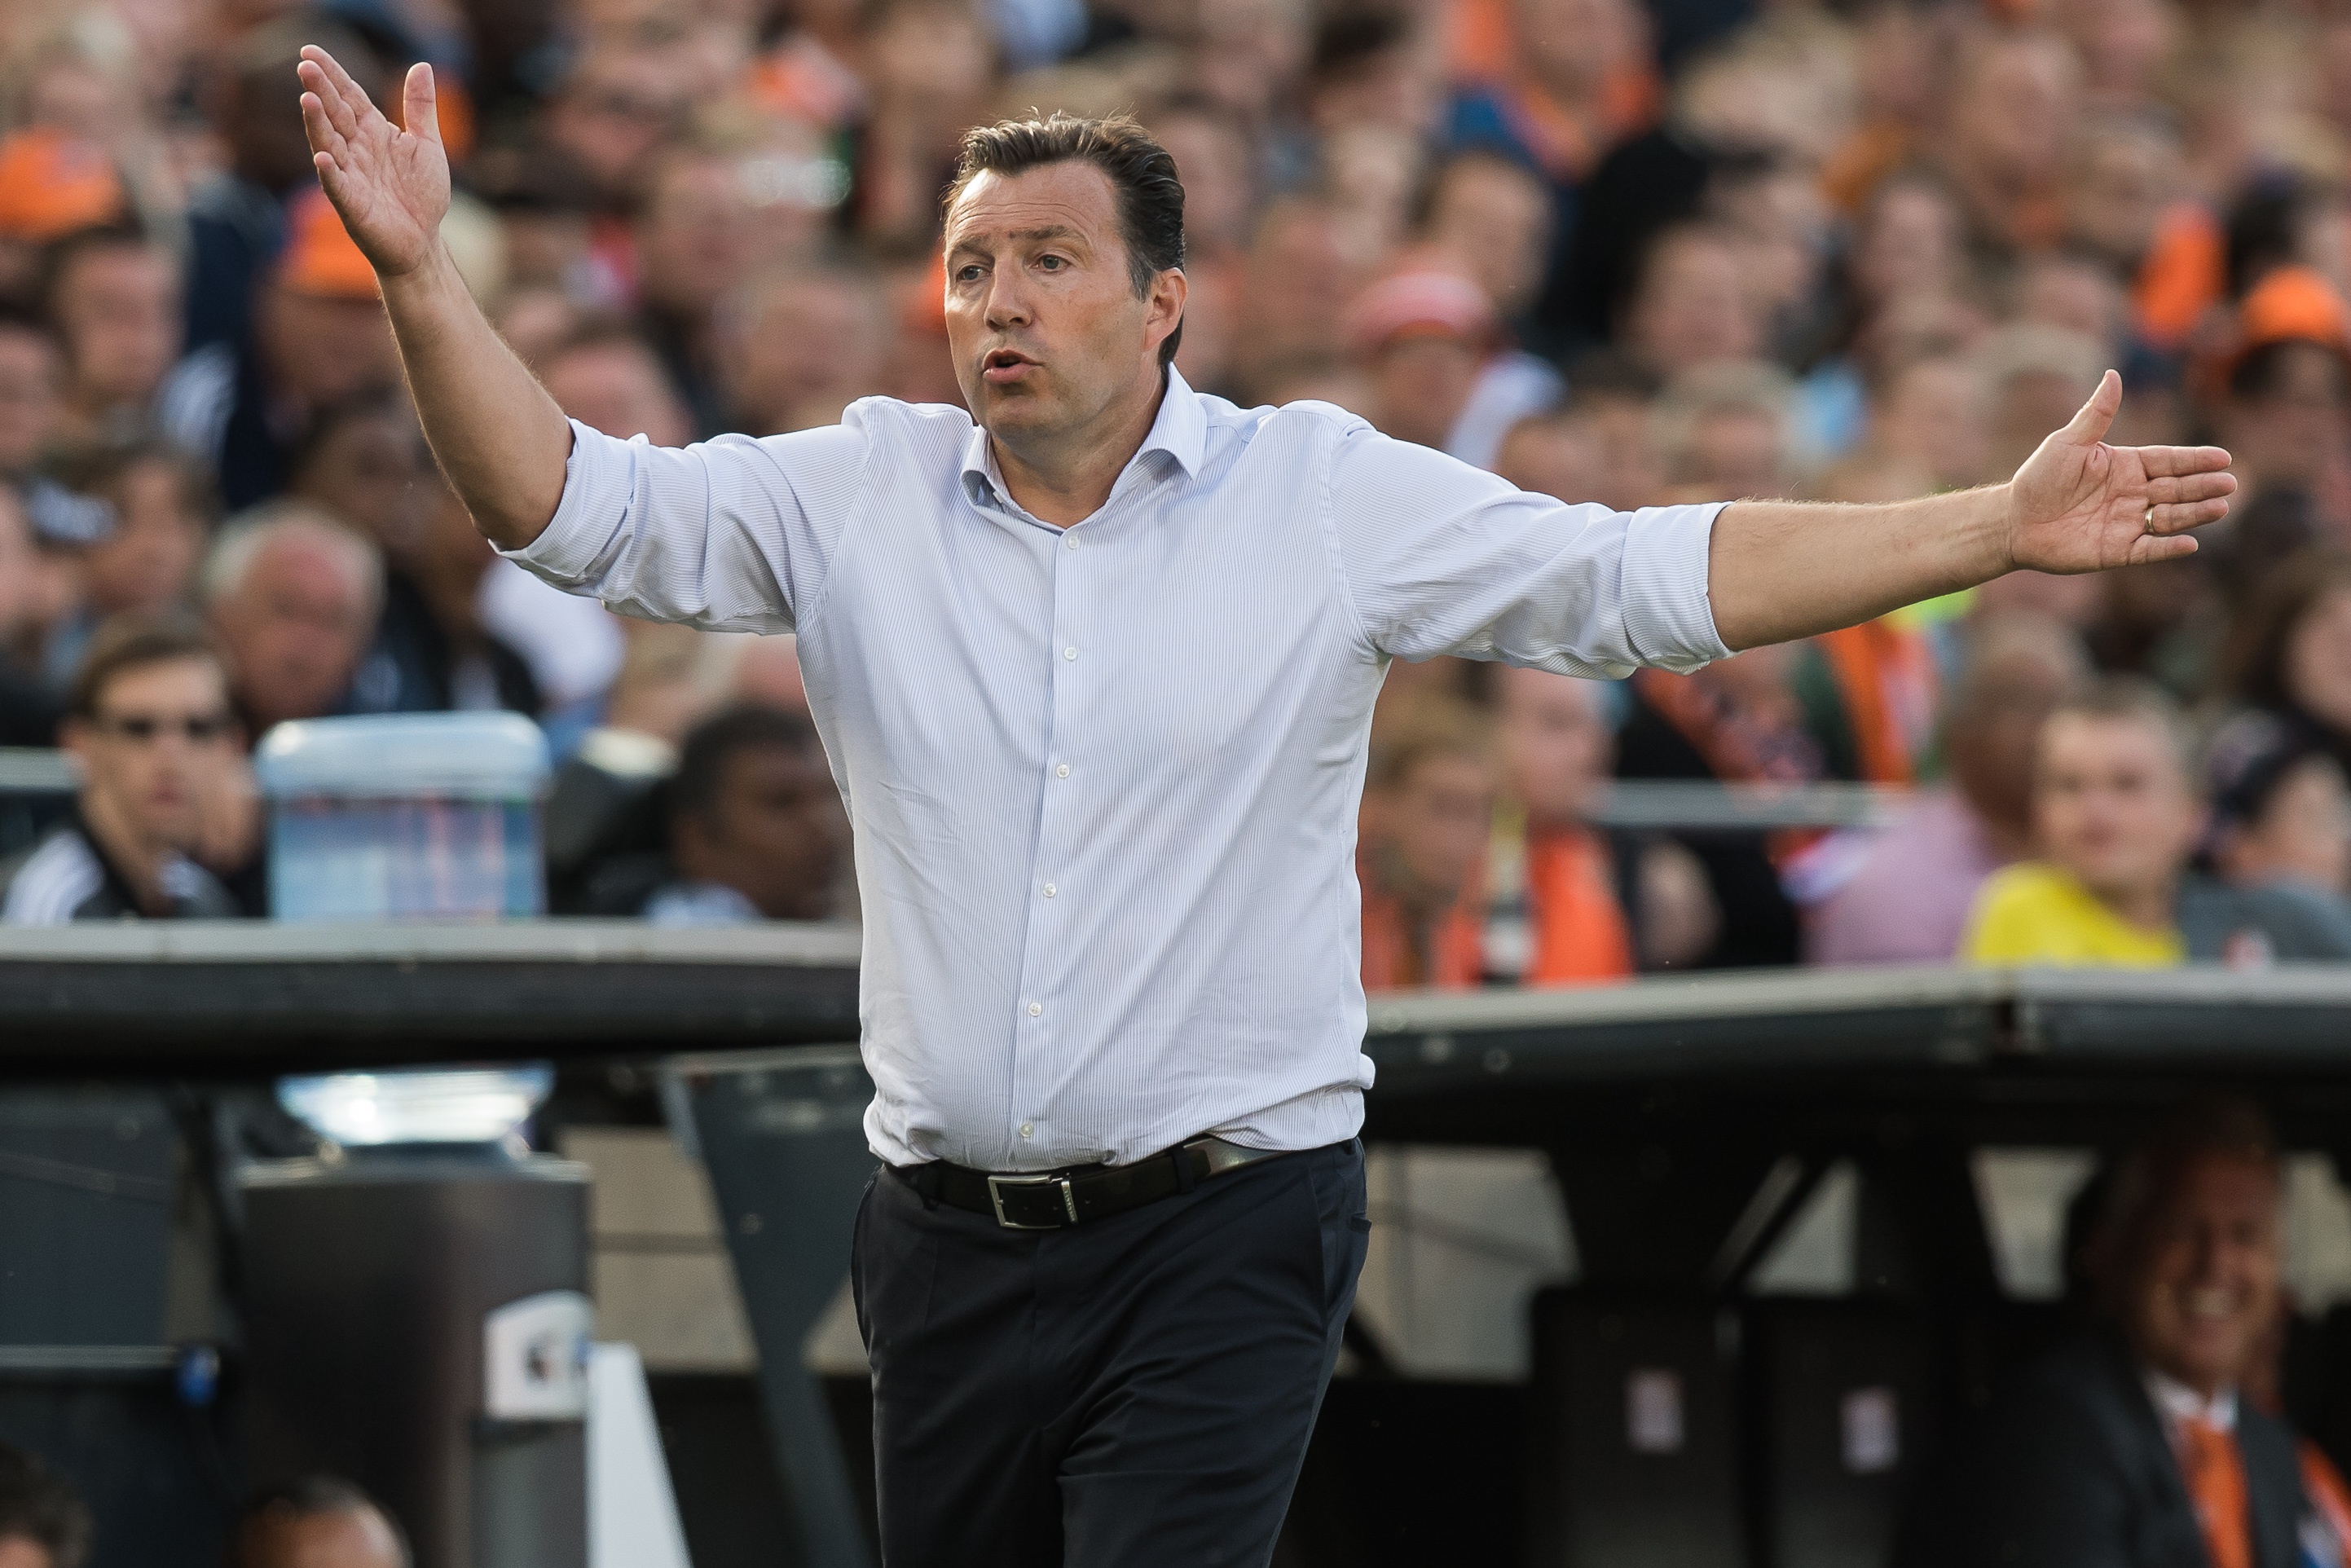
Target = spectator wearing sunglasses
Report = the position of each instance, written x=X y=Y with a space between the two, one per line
x=151 y=726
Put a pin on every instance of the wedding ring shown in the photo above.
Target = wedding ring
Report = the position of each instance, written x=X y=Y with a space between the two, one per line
x=2149 y=524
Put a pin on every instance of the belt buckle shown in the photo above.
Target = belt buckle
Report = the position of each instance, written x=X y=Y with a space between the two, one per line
x=996 y=1183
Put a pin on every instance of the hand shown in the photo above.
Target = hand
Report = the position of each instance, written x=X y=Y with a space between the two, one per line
x=2078 y=504
x=390 y=185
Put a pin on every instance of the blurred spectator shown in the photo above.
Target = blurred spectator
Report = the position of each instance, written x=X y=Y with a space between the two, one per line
x=113 y=296
x=1428 y=804
x=609 y=378
x=29 y=712
x=42 y=1524
x=756 y=829
x=2287 y=383
x=2134 y=1444
x=1493 y=217
x=432 y=649
x=1722 y=431
x=2116 y=814
x=159 y=511
x=294 y=597
x=1690 y=306
x=801 y=346
x=1907 y=900
x=318 y=336
x=1428 y=339
x=2281 y=808
x=2013 y=96
x=693 y=246
x=363 y=458
x=315 y=1521
x=151 y=725
x=2290 y=650
x=31 y=384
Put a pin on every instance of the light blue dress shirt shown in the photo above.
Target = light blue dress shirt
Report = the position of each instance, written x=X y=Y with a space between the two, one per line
x=1105 y=778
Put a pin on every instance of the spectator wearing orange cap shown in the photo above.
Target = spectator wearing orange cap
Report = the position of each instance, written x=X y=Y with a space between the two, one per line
x=51 y=184
x=1429 y=343
x=320 y=337
x=2284 y=383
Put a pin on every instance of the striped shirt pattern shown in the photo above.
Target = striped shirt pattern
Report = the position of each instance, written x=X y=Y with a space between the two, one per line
x=1105 y=778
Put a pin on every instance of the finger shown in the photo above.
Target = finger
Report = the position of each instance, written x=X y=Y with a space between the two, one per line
x=2182 y=515
x=331 y=104
x=346 y=90
x=2175 y=460
x=325 y=140
x=422 y=105
x=2088 y=427
x=2148 y=548
x=2191 y=488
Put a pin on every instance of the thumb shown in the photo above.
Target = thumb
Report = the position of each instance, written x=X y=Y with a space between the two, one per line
x=422 y=116
x=2089 y=427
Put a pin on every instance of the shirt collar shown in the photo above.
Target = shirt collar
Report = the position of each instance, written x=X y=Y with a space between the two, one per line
x=2181 y=1403
x=1180 y=430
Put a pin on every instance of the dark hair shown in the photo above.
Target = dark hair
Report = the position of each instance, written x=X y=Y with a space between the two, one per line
x=1150 y=196
x=2261 y=371
x=702 y=760
x=130 y=643
x=2146 y=1181
x=94 y=467
x=36 y=1505
x=305 y=1497
x=1346 y=39
x=2254 y=663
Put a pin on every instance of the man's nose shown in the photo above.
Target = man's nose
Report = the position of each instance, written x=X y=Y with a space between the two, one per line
x=1008 y=299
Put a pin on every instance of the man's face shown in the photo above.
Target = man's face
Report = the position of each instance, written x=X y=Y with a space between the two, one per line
x=323 y=350
x=119 y=307
x=776 y=836
x=1556 y=748
x=1443 y=809
x=145 y=565
x=620 y=389
x=2112 y=805
x=18 y=1552
x=154 y=747
x=345 y=1538
x=1420 y=383
x=295 y=632
x=2204 y=1289
x=695 y=238
x=1693 y=308
x=2289 y=428
x=375 y=473
x=818 y=344
x=1046 y=329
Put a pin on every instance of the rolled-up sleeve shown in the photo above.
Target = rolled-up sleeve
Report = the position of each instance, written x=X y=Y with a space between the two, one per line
x=1441 y=557
x=730 y=535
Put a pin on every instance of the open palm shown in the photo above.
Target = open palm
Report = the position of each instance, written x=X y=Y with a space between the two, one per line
x=2079 y=505
x=390 y=185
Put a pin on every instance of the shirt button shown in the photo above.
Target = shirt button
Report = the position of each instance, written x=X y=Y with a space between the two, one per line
x=1062 y=772
x=1068 y=653
x=1051 y=889
x=1026 y=1129
x=1069 y=541
x=1035 y=1009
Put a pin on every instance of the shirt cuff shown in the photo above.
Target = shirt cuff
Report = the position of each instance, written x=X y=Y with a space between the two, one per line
x=1667 y=614
x=599 y=473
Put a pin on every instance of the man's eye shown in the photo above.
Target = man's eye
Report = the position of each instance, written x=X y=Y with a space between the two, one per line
x=1051 y=262
x=966 y=273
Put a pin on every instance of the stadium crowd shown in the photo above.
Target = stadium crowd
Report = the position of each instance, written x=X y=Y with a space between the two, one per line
x=1619 y=252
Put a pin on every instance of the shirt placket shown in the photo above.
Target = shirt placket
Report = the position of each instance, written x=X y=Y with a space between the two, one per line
x=1043 y=1030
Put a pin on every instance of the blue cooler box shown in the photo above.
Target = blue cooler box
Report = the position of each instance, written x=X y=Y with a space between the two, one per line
x=417 y=815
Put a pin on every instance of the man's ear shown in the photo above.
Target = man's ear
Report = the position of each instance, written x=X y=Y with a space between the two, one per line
x=74 y=737
x=1169 y=291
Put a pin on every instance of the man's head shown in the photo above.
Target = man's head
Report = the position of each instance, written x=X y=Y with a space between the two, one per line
x=1064 y=269
x=163 y=505
x=114 y=297
x=1691 y=306
x=694 y=234
x=1556 y=747
x=2281 y=809
x=320 y=327
x=1723 y=429
x=2018 y=667
x=364 y=460
x=804 y=344
x=2112 y=800
x=1422 y=335
x=42 y=1524
x=2192 y=1247
x=293 y=596
x=1428 y=801
x=755 y=808
x=149 y=723
x=316 y=1521
x=1493 y=215
x=608 y=377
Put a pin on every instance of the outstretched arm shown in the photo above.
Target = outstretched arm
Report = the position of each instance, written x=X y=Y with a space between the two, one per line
x=499 y=437
x=1782 y=570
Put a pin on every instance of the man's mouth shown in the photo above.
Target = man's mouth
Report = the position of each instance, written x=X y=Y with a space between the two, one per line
x=1000 y=367
x=2209 y=1305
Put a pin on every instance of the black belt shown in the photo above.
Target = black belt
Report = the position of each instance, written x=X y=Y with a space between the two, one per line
x=1056 y=1199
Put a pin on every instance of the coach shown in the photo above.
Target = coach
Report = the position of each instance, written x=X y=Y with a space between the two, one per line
x=1095 y=675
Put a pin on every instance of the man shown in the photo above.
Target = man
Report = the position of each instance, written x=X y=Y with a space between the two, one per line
x=294 y=597
x=801 y=345
x=113 y=296
x=2133 y=1447
x=42 y=1524
x=1428 y=801
x=1908 y=900
x=315 y=1521
x=1095 y=665
x=756 y=829
x=607 y=376
x=151 y=726
x=2116 y=814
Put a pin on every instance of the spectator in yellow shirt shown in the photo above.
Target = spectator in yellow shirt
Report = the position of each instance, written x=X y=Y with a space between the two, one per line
x=2115 y=816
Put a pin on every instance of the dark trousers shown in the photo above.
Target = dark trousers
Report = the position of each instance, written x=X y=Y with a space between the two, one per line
x=1132 y=1391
